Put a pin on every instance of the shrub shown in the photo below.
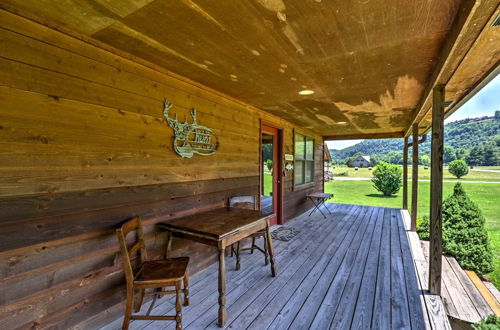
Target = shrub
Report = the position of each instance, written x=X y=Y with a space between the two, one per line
x=491 y=322
x=356 y=168
x=423 y=228
x=387 y=178
x=345 y=173
x=464 y=236
x=458 y=168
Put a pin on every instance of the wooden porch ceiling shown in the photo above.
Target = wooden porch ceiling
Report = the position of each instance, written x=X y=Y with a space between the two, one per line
x=371 y=64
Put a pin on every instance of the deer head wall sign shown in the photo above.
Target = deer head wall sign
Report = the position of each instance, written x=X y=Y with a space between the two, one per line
x=191 y=138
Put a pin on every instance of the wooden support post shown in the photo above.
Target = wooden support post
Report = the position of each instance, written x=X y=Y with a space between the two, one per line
x=437 y=147
x=414 y=178
x=405 y=175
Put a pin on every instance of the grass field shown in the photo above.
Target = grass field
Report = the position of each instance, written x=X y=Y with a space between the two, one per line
x=424 y=174
x=487 y=196
x=268 y=184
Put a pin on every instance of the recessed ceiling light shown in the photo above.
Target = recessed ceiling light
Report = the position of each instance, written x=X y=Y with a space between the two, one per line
x=306 y=92
x=341 y=123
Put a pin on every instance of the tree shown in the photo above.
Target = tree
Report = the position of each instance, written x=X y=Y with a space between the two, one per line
x=497 y=115
x=269 y=164
x=458 y=168
x=387 y=178
x=476 y=156
x=449 y=154
x=267 y=151
x=461 y=153
x=394 y=157
x=464 y=235
x=349 y=162
x=374 y=160
x=491 y=154
x=425 y=160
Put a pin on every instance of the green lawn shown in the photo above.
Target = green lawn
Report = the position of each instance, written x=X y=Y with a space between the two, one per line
x=423 y=174
x=487 y=196
x=268 y=184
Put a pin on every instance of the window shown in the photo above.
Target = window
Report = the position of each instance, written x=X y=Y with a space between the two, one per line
x=304 y=160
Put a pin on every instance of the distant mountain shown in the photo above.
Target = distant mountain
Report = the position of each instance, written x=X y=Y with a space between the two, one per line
x=461 y=137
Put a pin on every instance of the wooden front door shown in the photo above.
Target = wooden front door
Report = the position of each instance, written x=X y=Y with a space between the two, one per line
x=271 y=196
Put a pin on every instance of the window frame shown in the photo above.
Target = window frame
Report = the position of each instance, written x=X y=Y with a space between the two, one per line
x=304 y=161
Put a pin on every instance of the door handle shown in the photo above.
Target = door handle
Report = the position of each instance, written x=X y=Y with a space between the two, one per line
x=278 y=181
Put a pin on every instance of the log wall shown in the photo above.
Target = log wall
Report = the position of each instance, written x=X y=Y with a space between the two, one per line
x=83 y=147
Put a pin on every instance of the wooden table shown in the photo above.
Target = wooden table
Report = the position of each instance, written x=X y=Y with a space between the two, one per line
x=220 y=228
x=319 y=199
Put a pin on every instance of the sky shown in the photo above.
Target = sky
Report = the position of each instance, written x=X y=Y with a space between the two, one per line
x=484 y=103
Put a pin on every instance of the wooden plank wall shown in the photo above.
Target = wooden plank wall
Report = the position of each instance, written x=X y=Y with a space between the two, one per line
x=83 y=147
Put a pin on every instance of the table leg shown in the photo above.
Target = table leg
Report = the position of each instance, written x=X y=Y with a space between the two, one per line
x=169 y=242
x=321 y=203
x=222 y=288
x=317 y=206
x=238 y=258
x=269 y=242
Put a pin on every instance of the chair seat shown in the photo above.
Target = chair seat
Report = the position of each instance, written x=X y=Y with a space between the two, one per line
x=162 y=271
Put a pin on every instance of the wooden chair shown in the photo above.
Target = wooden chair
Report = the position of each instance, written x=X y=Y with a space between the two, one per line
x=247 y=202
x=155 y=274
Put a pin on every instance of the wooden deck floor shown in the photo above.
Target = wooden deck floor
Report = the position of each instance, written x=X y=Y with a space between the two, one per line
x=351 y=270
x=461 y=298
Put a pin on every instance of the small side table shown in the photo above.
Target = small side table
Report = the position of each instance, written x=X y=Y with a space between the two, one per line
x=319 y=199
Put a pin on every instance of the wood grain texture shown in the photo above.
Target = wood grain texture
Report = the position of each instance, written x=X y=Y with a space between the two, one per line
x=315 y=276
x=279 y=47
x=405 y=174
x=467 y=33
x=433 y=307
x=437 y=149
x=486 y=290
x=463 y=300
x=84 y=147
x=414 y=178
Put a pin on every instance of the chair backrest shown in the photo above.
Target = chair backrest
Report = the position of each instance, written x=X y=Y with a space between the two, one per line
x=243 y=202
x=137 y=246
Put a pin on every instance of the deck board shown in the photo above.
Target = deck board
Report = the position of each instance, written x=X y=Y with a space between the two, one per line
x=363 y=308
x=432 y=305
x=344 y=312
x=415 y=307
x=308 y=310
x=354 y=269
x=461 y=298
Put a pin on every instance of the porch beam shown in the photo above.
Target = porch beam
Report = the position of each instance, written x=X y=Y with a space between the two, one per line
x=458 y=41
x=414 y=178
x=437 y=147
x=405 y=174
x=363 y=136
